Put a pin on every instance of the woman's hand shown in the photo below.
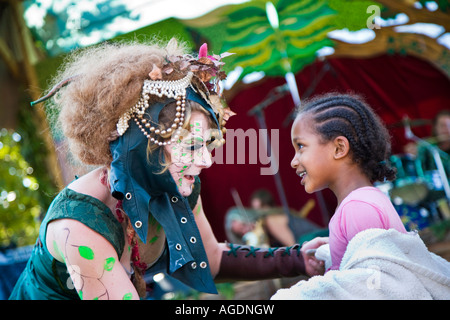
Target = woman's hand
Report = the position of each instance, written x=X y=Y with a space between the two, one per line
x=313 y=266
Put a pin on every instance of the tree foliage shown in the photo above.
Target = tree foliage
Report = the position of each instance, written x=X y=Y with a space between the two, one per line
x=20 y=207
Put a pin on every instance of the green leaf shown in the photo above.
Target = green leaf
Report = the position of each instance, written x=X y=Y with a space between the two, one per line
x=86 y=252
x=127 y=296
x=153 y=240
x=109 y=263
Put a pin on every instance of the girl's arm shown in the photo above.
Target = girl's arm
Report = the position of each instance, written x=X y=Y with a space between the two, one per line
x=91 y=261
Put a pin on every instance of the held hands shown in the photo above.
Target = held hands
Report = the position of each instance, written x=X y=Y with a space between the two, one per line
x=313 y=266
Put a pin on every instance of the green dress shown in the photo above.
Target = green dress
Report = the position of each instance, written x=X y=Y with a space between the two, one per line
x=45 y=278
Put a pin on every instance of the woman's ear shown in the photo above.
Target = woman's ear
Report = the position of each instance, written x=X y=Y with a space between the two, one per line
x=342 y=147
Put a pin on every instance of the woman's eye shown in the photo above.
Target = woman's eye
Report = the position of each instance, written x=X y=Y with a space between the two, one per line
x=196 y=146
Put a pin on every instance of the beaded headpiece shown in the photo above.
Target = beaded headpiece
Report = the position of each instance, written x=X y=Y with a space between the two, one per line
x=171 y=89
x=200 y=71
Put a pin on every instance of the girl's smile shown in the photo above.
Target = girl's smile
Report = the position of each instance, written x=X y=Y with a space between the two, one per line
x=302 y=175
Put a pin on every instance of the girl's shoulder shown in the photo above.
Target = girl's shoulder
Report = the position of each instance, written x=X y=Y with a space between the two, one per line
x=366 y=194
x=364 y=198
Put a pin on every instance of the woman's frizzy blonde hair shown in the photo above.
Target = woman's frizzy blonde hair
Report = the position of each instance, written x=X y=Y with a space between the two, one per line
x=108 y=82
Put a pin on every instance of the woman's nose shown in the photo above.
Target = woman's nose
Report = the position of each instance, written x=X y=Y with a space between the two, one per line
x=203 y=158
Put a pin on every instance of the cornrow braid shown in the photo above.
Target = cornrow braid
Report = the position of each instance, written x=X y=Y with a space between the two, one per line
x=349 y=116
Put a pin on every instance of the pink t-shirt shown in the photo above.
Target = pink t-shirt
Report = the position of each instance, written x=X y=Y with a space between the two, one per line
x=362 y=209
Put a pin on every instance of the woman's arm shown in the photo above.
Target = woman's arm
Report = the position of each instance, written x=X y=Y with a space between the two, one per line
x=213 y=248
x=298 y=261
x=91 y=261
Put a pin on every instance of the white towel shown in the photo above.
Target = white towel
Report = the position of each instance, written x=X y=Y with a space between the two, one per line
x=379 y=264
x=323 y=253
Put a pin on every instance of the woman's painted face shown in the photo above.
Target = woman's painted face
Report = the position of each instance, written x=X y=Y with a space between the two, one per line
x=190 y=154
x=312 y=156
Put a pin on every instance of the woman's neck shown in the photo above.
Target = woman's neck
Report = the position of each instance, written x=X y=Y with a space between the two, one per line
x=95 y=184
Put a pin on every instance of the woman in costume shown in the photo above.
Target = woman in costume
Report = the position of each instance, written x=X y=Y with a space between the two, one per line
x=147 y=117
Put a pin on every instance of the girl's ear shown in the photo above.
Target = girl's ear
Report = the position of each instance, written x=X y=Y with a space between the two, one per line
x=342 y=147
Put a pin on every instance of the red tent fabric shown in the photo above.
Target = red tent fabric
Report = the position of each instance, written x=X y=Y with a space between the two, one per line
x=395 y=86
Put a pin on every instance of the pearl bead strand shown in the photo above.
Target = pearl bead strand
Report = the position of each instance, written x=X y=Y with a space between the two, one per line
x=171 y=89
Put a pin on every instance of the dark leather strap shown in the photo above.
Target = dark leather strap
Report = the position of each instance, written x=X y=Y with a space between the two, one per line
x=253 y=263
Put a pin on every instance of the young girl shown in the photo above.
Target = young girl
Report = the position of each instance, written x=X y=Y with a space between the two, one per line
x=341 y=144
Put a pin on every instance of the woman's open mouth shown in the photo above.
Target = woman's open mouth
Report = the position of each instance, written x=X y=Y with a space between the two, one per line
x=189 y=178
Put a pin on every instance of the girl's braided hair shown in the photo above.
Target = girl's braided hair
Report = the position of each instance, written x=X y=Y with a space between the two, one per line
x=349 y=116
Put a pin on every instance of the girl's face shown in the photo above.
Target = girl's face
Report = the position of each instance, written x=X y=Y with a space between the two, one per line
x=190 y=154
x=313 y=158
